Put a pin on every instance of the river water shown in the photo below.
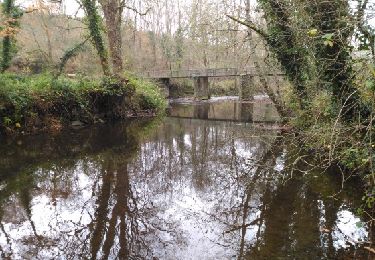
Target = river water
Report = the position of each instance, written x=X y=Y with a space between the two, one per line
x=211 y=181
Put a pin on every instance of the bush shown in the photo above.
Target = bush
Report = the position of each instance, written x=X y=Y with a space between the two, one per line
x=25 y=100
x=149 y=95
x=224 y=88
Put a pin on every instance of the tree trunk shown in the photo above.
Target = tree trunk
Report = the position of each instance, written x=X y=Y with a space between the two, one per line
x=333 y=58
x=11 y=14
x=112 y=10
x=282 y=39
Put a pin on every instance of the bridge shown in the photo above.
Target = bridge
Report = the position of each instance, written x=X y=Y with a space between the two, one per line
x=211 y=73
x=201 y=78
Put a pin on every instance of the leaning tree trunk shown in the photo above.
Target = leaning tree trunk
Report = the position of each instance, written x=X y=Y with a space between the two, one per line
x=282 y=39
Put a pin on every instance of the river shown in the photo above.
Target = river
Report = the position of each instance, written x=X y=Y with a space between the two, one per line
x=210 y=181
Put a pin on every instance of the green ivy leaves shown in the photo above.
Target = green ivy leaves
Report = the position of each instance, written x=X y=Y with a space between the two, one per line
x=313 y=32
x=328 y=39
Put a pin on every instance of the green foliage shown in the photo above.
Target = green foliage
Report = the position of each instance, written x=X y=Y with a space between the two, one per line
x=328 y=39
x=321 y=107
x=369 y=198
x=22 y=97
x=22 y=92
x=224 y=88
x=313 y=32
x=321 y=113
x=364 y=80
x=368 y=201
x=149 y=94
x=336 y=94
x=355 y=157
x=7 y=121
x=284 y=43
x=321 y=61
x=12 y=15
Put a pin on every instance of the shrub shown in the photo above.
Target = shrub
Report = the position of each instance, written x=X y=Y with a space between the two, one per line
x=26 y=99
x=149 y=95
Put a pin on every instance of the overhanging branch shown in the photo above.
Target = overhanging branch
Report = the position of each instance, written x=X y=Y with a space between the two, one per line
x=250 y=25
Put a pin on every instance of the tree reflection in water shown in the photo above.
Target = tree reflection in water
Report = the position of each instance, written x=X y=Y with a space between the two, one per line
x=187 y=189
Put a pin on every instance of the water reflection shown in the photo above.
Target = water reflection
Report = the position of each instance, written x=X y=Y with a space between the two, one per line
x=186 y=189
x=259 y=111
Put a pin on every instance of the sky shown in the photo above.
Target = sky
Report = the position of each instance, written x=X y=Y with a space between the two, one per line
x=71 y=7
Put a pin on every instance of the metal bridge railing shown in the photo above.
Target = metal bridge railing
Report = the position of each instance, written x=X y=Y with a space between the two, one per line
x=217 y=72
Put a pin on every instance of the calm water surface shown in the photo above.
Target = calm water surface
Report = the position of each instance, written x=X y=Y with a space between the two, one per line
x=185 y=187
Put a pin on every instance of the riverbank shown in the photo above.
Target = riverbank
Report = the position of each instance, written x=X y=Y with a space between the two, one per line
x=41 y=103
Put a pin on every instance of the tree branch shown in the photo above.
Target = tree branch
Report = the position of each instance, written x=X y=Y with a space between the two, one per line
x=70 y=54
x=135 y=10
x=250 y=25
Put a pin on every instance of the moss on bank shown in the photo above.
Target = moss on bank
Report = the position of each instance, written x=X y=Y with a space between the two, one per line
x=35 y=103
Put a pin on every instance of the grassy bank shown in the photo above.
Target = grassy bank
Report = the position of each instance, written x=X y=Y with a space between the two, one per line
x=30 y=104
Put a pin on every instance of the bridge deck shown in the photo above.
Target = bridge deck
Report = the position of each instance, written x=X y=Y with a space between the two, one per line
x=223 y=72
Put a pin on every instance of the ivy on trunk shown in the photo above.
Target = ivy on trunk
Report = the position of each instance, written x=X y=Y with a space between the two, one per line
x=12 y=15
x=95 y=29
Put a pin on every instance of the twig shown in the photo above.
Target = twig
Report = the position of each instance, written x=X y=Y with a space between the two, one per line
x=333 y=145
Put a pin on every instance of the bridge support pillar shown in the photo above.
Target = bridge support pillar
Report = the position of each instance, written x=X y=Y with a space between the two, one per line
x=201 y=111
x=247 y=87
x=166 y=84
x=201 y=88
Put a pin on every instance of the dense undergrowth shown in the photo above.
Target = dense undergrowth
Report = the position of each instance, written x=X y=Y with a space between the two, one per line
x=41 y=102
x=350 y=145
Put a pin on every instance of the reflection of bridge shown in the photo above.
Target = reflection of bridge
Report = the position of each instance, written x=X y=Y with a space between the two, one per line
x=230 y=110
x=201 y=76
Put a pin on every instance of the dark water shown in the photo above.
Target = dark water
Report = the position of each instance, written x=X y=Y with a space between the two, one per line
x=174 y=188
